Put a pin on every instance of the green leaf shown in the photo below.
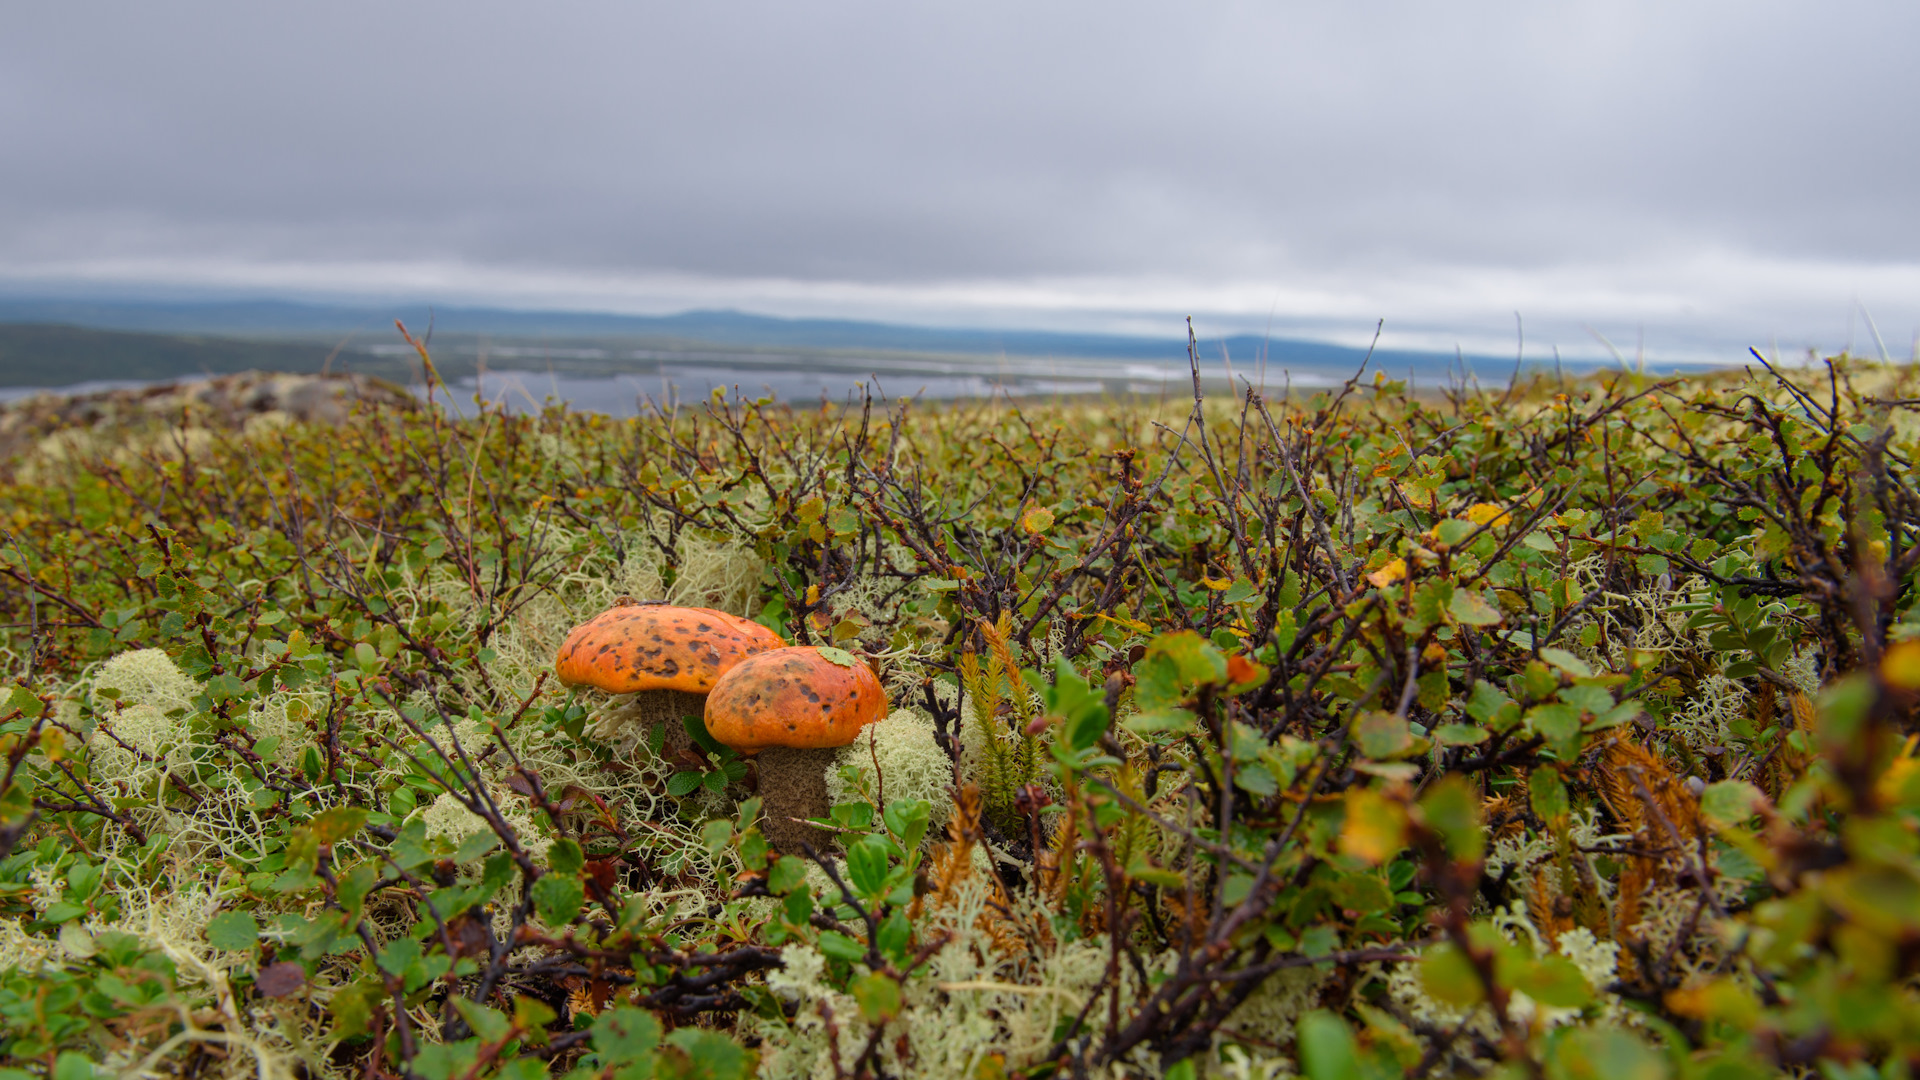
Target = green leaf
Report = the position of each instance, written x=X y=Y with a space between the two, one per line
x=72 y=1066
x=1559 y=724
x=1326 y=1047
x=490 y=1024
x=530 y=1014
x=335 y=825
x=716 y=835
x=1610 y=1053
x=1549 y=796
x=352 y=1007
x=867 y=865
x=63 y=911
x=710 y=1055
x=1363 y=893
x=1472 y=609
x=1451 y=808
x=1552 y=980
x=907 y=819
x=1567 y=662
x=1730 y=802
x=1460 y=735
x=798 y=907
x=682 y=784
x=1084 y=731
x=410 y=847
x=565 y=857
x=475 y=846
x=234 y=931
x=1491 y=707
x=839 y=946
x=853 y=815
x=1383 y=735
x=1173 y=663
x=789 y=872
x=1883 y=899
x=1319 y=940
x=398 y=955
x=1142 y=869
x=624 y=1035
x=24 y=700
x=1172 y=721
x=1071 y=698
x=840 y=657
x=1241 y=591
x=558 y=899
x=697 y=731
x=878 y=996
x=1255 y=779
x=1448 y=976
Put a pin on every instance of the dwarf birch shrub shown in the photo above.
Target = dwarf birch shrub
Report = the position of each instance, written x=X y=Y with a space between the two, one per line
x=1542 y=732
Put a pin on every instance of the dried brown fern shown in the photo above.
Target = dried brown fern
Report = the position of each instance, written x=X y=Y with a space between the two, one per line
x=1644 y=795
x=952 y=862
x=1551 y=912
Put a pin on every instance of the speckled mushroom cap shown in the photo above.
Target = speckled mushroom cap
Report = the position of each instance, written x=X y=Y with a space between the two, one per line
x=657 y=647
x=798 y=697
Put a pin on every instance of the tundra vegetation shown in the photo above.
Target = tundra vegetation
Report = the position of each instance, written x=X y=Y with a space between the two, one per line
x=1559 y=730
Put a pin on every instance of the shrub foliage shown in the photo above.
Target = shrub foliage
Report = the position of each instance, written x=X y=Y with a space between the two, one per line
x=1562 y=731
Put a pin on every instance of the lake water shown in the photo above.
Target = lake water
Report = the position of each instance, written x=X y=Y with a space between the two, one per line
x=671 y=384
x=666 y=384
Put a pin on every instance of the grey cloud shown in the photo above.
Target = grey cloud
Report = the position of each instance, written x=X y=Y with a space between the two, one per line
x=901 y=143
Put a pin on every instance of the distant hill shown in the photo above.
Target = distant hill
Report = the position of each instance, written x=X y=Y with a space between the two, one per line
x=42 y=355
x=374 y=324
x=55 y=341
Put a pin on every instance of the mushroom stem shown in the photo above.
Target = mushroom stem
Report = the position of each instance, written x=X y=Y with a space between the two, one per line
x=793 y=784
x=661 y=708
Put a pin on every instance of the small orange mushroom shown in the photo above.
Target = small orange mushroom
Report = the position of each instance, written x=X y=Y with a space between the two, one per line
x=667 y=657
x=801 y=698
x=794 y=707
x=657 y=647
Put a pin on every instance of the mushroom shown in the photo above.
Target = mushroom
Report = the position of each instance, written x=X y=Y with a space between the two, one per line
x=793 y=708
x=667 y=657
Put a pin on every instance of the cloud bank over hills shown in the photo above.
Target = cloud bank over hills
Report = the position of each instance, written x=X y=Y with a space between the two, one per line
x=1709 y=175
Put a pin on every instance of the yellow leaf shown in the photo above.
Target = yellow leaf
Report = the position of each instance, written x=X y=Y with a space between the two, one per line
x=1720 y=999
x=1894 y=783
x=53 y=743
x=1487 y=514
x=1217 y=586
x=1388 y=574
x=1036 y=520
x=1901 y=666
x=1376 y=827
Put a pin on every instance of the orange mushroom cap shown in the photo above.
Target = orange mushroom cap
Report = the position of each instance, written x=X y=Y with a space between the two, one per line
x=657 y=647
x=798 y=697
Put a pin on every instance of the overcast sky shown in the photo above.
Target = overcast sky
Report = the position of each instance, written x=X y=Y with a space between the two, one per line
x=1709 y=174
